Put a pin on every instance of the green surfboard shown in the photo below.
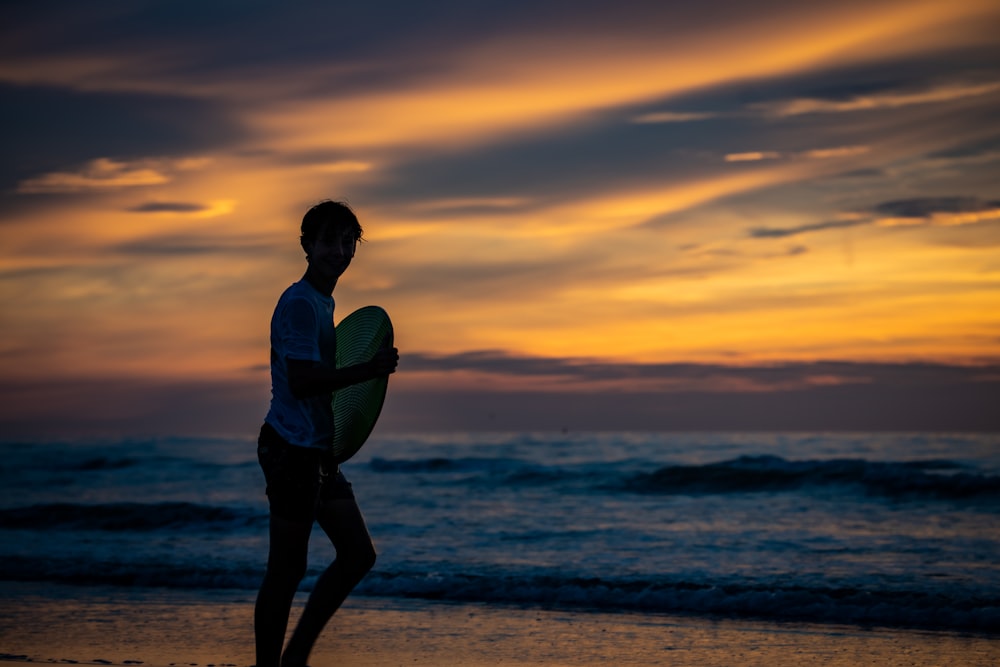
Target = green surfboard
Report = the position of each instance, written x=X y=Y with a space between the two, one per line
x=356 y=408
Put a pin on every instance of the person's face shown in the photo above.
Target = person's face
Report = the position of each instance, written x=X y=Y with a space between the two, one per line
x=332 y=251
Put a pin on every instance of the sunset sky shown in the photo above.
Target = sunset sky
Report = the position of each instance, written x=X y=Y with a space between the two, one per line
x=647 y=215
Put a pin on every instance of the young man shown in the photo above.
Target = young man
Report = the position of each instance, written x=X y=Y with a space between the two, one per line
x=303 y=485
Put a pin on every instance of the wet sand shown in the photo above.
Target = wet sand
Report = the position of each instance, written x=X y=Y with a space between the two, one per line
x=56 y=624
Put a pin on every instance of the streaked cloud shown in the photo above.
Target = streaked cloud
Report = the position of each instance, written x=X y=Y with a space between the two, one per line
x=941 y=211
x=837 y=152
x=98 y=174
x=505 y=372
x=106 y=173
x=770 y=232
x=344 y=167
x=541 y=374
x=753 y=156
x=813 y=154
x=173 y=209
x=168 y=207
x=674 y=116
x=887 y=99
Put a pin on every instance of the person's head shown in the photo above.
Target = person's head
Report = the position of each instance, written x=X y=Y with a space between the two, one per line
x=329 y=220
x=330 y=234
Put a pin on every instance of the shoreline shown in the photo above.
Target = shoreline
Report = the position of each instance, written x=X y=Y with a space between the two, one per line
x=65 y=624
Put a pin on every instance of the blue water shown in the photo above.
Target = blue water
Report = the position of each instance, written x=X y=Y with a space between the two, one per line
x=898 y=530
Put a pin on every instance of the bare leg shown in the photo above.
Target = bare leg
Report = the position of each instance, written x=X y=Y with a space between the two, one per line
x=286 y=565
x=343 y=523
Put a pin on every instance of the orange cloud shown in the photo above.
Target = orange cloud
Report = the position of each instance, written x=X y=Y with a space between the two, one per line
x=815 y=154
x=674 y=117
x=838 y=152
x=344 y=167
x=754 y=156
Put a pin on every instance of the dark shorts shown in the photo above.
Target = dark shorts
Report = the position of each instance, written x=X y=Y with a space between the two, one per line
x=298 y=478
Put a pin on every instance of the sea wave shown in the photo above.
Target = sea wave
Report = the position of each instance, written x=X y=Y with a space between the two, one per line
x=95 y=463
x=484 y=471
x=937 y=479
x=132 y=517
x=441 y=464
x=861 y=606
x=124 y=572
x=960 y=610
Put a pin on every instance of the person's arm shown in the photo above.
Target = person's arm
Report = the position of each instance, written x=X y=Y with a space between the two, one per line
x=308 y=378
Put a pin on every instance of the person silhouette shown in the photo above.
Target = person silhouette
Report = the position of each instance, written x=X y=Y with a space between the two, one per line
x=304 y=483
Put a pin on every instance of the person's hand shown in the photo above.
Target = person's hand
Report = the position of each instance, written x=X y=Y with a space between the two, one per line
x=384 y=362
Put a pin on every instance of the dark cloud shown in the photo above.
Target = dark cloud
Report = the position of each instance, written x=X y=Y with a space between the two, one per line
x=167 y=207
x=959 y=408
x=781 y=232
x=869 y=174
x=182 y=244
x=925 y=207
x=760 y=377
x=917 y=207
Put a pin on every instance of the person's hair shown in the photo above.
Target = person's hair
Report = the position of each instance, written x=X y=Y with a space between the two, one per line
x=328 y=213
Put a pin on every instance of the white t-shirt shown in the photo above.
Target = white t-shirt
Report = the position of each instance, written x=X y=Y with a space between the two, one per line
x=302 y=328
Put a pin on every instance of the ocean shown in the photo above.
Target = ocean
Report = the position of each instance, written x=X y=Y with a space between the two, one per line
x=891 y=530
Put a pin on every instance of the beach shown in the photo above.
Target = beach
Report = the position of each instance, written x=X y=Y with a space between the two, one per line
x=63 y=624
